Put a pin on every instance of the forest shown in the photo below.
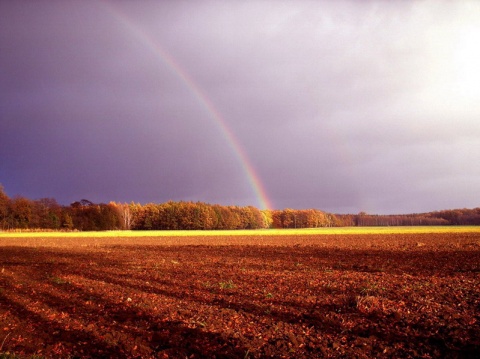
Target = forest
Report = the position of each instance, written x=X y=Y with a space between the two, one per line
x=20 y=213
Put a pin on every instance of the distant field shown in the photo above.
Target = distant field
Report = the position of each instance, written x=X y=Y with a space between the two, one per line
x=249 y=232
x=337 y=237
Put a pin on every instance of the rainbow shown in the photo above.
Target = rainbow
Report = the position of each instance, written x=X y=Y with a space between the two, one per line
x=253 y=178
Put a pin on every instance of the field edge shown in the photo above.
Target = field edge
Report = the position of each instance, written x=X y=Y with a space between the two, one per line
x=246 y=232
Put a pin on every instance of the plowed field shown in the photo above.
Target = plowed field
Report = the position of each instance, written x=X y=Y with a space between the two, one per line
x=339 y=296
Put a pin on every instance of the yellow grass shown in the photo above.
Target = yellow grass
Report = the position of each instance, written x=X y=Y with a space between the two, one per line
x=260 y=232
x=452 y=238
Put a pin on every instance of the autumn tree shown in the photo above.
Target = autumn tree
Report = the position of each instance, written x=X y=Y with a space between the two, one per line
x=4 y=205
x=48 y=213
x=267 y=220
x=20 y=213
x=67 y=222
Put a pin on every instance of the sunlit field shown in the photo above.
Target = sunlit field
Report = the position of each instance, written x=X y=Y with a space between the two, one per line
x=248 y=232
x=272 y=237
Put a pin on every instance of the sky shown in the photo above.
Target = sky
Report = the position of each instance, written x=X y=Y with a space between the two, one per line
x=343 y=106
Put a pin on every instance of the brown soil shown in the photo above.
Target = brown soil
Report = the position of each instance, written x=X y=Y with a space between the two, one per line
x=357 y=296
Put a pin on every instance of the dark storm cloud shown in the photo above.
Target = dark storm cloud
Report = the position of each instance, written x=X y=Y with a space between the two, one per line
x=83 y=117
x=343 y=106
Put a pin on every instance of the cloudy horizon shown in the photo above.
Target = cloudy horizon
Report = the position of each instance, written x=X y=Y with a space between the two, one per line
x=342 y=106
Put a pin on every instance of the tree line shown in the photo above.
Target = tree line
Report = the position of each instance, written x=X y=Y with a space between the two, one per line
x=453 y=217
x=84 y=215
x=46 y=214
